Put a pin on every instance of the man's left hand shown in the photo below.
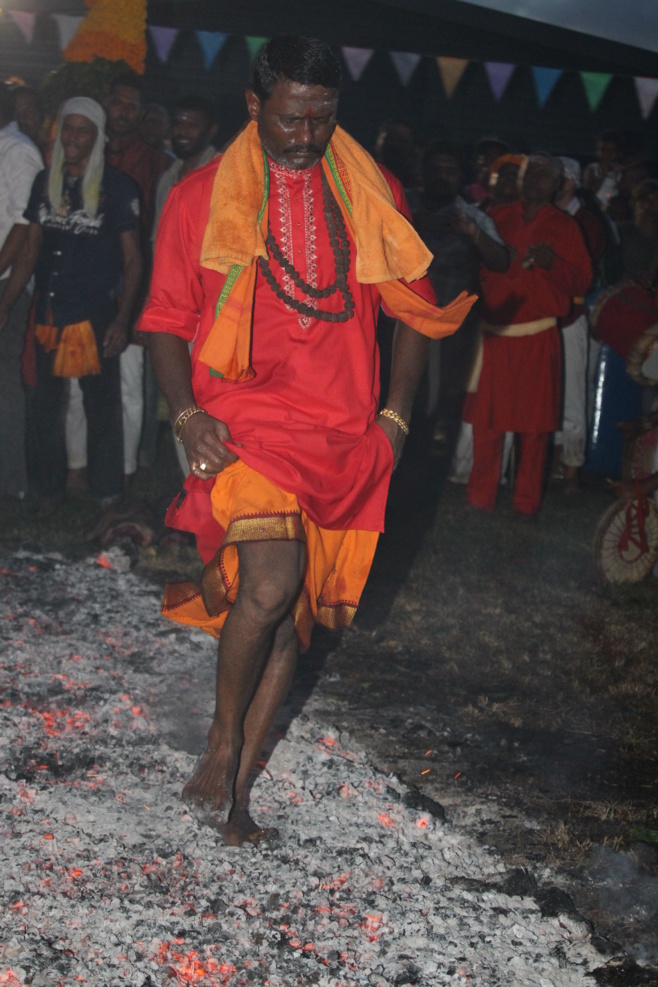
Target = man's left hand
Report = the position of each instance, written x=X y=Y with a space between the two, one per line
x=395 y=436
x=115 y=339
x=540 y=255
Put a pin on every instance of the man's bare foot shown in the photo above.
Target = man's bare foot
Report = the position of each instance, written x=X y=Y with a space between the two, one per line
x=211 y=786
x=241 y=828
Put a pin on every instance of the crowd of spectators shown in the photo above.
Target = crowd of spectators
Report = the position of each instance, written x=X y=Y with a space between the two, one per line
x=538 y=236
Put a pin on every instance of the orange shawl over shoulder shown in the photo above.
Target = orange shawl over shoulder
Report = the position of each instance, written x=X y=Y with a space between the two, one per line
x=388 y=250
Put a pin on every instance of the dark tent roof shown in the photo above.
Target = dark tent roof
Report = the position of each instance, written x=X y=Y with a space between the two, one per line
x=429 y=27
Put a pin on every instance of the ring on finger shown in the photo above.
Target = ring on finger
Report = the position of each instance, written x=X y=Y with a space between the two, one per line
x=203 y=466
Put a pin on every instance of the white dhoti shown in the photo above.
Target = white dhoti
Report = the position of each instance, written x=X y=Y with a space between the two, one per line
x=76 y=427
x=132 y=400
x=573 y=437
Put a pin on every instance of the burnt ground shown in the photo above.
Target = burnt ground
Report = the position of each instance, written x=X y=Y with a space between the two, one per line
x=491 y=670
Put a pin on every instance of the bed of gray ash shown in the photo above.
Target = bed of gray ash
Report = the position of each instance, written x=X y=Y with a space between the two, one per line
x=107 y=878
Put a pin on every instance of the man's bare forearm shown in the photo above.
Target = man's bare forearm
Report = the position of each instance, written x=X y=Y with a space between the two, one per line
x=408 y=363
x=13 y=245
x=21 y=270
x=170 y=357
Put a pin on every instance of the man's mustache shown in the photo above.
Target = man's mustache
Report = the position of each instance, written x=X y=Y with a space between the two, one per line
x=304 y=149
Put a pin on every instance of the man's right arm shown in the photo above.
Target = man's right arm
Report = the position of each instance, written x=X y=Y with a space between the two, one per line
x=11 y=248
x=203 y=437
x=21 y=270
x=170 y=319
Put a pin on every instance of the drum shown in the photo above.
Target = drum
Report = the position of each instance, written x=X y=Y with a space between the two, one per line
x=626 y=318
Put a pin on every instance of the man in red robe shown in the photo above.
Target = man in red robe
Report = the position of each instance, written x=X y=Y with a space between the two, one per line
x=277 y=407
x=519 y=384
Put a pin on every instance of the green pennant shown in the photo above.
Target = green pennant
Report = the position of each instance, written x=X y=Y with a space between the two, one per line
x=595 y=84
x=254 y=44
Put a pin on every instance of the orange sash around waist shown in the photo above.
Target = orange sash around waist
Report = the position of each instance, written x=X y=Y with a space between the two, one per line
x=75 y=345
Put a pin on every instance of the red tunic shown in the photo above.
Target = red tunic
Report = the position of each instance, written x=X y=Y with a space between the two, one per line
x=519 y=295
x=144 y=164
x=306 y=420
x=519 y=387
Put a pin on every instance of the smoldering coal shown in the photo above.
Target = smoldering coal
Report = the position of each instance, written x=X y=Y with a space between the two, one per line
x=109 y=880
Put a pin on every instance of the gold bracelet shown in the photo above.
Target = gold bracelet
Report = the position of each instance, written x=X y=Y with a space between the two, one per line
x=398 y=419
x=183 y=417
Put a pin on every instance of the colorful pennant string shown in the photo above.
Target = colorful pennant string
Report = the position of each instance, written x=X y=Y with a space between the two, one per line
x=451 y=70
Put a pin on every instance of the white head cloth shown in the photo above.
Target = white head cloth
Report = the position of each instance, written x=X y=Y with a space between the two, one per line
x=571 y=169
x=91 y=182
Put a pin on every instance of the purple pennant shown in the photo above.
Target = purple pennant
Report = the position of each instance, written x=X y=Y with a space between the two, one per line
x=163 y=39
x=499 y=74
x=405 y=63
x=356 y=60
x=647 y=93
x=24 y=21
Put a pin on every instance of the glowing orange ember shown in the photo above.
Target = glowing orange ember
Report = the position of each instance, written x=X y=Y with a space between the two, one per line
x=386 y=820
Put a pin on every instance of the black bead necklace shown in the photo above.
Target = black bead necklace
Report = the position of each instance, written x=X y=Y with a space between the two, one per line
x=340 y=246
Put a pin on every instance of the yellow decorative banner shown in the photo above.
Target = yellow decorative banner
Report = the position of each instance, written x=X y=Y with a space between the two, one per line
x=451 y=70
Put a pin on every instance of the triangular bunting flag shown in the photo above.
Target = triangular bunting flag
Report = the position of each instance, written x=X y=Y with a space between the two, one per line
x=163 y=39
x=211 y=42
x=24 y=21
x=647 y=93
x=405 y=63
x=545 y=80
x=356 y=60
x=499 y=75
x=67 y=25
x=254 y=45
x=451 y=71
x=595 y=84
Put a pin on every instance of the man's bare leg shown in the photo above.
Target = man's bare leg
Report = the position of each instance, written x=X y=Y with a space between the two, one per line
x=271 y=573
x=271 y=692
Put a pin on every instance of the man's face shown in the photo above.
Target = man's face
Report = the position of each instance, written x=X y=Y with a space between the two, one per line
x=155 y=126
x=507 y=184
x=296 y=123
x=645 y=209
x=28 y=115
x=443 y=177
x=124 y=111
x=541 y=181
x=78 y=138
x=191 y=133
x=607 y=152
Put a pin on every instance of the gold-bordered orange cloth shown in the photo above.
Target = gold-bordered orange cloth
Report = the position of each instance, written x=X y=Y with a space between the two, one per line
x=75 y=345
x=248 y=507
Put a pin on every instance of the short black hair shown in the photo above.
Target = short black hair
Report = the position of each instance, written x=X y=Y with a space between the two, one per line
x=197 y=103
x=130 y=80
x=610 y=137
x=304 y=60
x=446 y=148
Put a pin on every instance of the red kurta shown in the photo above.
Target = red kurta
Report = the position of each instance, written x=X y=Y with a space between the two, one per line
x=144 y=164
x=519 y=388
x=306 y=420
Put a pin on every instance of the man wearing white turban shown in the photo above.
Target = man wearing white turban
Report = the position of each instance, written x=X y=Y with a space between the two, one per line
x=83 y=237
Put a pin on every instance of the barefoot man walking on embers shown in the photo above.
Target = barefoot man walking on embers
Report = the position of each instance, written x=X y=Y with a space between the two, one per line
x=274 y=262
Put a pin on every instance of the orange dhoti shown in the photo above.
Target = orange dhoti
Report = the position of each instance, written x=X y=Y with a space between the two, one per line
x=248 y=507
